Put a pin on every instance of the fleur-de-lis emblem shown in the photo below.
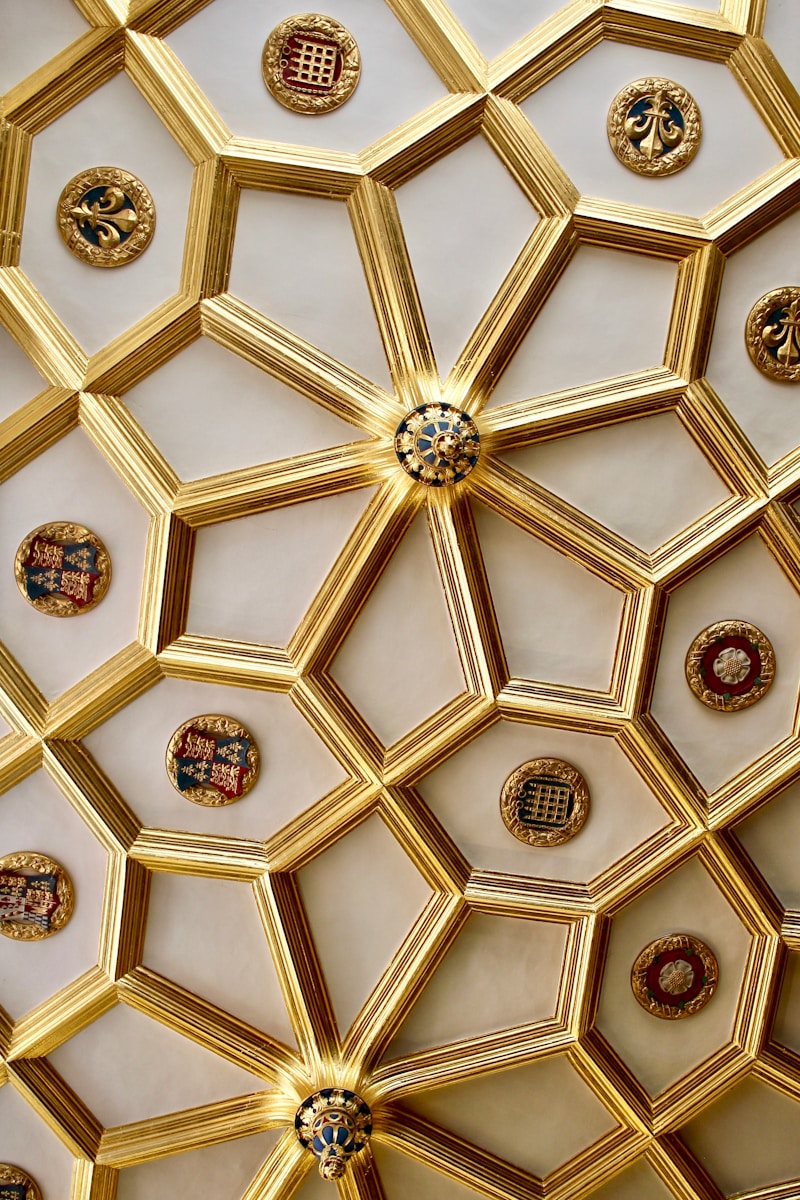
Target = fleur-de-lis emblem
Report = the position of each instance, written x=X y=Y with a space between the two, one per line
x=108 y=216
x=654 y=129
x=785 y=334
x=654 y=126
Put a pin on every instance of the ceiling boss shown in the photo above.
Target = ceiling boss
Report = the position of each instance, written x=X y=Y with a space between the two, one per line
x=437 y=444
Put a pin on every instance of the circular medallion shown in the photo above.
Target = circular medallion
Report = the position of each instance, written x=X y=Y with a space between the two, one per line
x=212 y=760
x=544 y=802
x=654 y=127
x=730 y=665
x=772 y=334
x=675 y=976
x=36 y=896
x=437 y=444
x=15 y=1184
x=106 y=216
x=62 y=569
x=311 y=63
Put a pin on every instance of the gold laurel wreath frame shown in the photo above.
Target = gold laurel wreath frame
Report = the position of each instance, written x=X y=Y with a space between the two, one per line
x=558 y=769
x=62 y=606
x=623 y=147
x=675 y=941
x=309 y=102
x=39 y=864
x=694 y=661
x=85 y=391
x=11 y=1174
x=140 y=236
x=224 y=727
x=754 y=328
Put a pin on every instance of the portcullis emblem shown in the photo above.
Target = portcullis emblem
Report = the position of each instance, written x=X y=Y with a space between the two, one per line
x=106 y=216
x=772 y=334
x=654 y=127
x=212 y=760
x=675 y=976
x=730 y=665
x=437 y=444
x=311 y=63
x=544 y=802
x=62 y=569
x=36 y=896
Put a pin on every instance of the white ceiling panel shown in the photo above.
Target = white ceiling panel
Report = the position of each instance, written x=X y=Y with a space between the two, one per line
x=398 y=681
x=570 y=113
x=114 y=126
x=562 y=1115
x=222 y=48
x=19 y=379
x=372 y=872
x=296 y=768
x=296 y=260
x=463 y=998
x=215 y=1173
x=464 y=793
x=644 y=479
x=601 y=297
x=781 y=29
x=206 y=934
x=786 y=1028
x=494 y=29
x=179 y=407
x=770 y=836
x=34 y=815
x=402 y=1177
x=72 y=482
x=638 y=1182
x=126 y=1067
x=744 y=584
x=274 y=585
x=29 y=1143
x=27 y=43
x=459 y=265
x=763 y=407
x=748 y=1139
x=559 y=623
x=659 y=1051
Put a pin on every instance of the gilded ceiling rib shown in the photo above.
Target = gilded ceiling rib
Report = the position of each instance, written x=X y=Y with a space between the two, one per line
x=482 y=99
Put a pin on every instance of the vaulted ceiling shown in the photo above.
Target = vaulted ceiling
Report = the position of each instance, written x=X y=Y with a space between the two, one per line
x=221 y=412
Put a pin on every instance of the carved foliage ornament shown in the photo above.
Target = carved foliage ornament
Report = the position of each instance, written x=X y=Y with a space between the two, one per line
x=62 y=569
x=675 y=976
x=311 y=63
x=654 y=127
x=772 y=334
x=36 y=896
x=15 y=1184
x=212 y=760
x=730 y=665
x=106 y=216
x=544 y=802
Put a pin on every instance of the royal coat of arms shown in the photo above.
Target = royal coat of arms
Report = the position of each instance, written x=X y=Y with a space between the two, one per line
x=62 y=569
x=212 y=760
x=36 y=897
